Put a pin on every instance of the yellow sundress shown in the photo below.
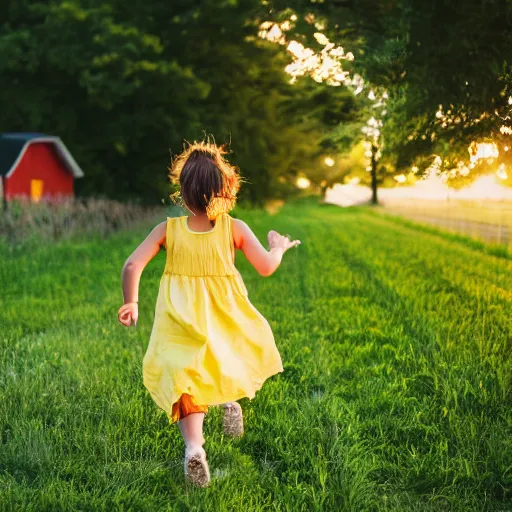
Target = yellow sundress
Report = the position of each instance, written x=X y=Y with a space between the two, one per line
x=207 y=340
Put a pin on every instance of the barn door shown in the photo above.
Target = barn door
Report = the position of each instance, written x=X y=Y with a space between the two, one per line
x=36 y=190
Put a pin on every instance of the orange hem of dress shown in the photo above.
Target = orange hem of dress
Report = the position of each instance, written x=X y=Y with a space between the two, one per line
x=233 y=398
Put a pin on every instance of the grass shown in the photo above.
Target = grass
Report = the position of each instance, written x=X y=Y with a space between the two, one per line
x=483 y=211
x=485 y=220
x=494 y=249
x=396 y=394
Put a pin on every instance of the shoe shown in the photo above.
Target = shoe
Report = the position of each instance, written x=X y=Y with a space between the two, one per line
x=233 y=419
x=196 y=466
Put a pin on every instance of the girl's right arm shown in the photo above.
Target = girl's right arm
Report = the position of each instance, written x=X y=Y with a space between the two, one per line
x=132 y=271
x=265 y=262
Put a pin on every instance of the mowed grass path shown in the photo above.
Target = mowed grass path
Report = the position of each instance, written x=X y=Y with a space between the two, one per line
x=396 y=393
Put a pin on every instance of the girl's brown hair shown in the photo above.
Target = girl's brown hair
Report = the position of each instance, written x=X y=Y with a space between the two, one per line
x=207 y=182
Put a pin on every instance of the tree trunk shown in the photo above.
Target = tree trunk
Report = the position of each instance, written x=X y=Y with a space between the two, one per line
x=375 y=199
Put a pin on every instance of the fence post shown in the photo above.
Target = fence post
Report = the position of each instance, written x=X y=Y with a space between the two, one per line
x=500 y=226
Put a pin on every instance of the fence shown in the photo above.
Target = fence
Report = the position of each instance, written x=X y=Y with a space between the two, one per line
x=490 y=221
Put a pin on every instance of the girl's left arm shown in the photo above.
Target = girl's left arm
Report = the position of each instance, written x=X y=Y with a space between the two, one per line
x=132 y=270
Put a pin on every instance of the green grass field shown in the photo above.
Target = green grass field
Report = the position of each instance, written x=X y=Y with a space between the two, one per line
x=485 y=220
x=396 y=393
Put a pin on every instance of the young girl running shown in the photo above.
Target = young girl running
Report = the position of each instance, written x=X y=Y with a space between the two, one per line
x=209 y=345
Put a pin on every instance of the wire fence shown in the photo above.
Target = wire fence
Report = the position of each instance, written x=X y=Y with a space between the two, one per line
x=490 y=221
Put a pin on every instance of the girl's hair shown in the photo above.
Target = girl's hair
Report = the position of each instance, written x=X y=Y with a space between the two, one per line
x=207 y=182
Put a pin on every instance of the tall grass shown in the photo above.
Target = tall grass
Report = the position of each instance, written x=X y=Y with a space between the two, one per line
x=490 y=221
x=24 y=223
x=396 y=394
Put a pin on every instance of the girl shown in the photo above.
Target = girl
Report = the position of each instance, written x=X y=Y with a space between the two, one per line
x=209 y=345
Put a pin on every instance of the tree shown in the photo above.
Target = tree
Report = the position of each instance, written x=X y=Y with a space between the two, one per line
x=446 y=68
x=123 y=82
x=107 y=87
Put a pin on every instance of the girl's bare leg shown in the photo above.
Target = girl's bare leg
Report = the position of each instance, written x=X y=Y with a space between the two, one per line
x=196 y=466
x=191 y=428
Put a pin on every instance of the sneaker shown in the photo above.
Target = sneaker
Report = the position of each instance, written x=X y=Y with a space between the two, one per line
x=233 y=419
x=196 y=466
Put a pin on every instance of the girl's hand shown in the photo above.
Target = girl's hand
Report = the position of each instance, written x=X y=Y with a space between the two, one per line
x=277 y=241
x=127 y=313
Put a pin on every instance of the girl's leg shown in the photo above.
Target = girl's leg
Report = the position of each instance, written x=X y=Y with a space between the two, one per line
x=196 y=465
x=190 y=418
x=191 y=428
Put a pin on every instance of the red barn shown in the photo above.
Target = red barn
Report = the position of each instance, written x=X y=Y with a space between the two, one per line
x=34 y=165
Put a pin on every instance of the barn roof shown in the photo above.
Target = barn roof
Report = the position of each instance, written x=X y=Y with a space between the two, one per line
x=14 y=145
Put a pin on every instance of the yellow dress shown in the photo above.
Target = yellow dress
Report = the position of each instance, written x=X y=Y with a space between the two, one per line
x=207 y=340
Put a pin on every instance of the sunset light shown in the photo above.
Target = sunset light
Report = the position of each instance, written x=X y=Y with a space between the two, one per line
x=302 y=183
x=481 y=151
x=324 y=66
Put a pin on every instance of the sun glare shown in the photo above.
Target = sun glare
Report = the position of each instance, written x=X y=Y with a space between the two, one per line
x=322 y=66
x=302 y=183
x=482 y=150
x=502 y=172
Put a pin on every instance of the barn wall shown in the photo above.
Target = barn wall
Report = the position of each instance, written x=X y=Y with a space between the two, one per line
x=40 y=162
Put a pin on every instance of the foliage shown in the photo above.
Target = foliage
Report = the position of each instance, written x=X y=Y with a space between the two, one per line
x=105 y=86
x=427 y=55
x=395 y=394
x=123 y=82
x=347 y=165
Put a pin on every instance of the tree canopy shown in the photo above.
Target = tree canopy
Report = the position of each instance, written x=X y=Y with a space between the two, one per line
x=447 y=68
x=125 y=82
